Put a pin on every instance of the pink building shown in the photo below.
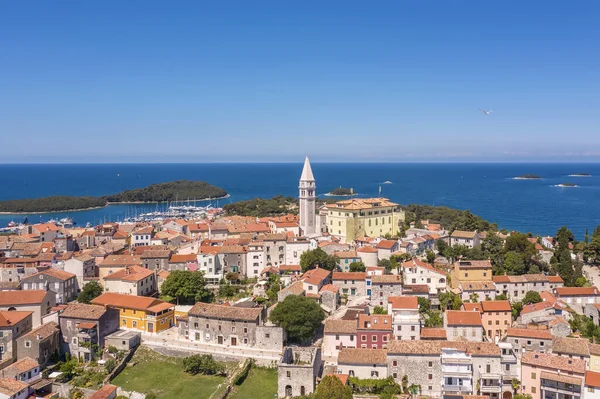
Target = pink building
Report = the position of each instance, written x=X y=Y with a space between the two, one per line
x=551 y=377
x=338 y=334
x=497 y=318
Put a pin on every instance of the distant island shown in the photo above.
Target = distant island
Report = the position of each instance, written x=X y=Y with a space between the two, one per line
x=566 y=185
x=528 y=177
x=580 y=175
x=341 y=192
x=161 y=192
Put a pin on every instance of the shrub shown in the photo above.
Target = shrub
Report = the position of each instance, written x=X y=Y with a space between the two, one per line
x=202 y=364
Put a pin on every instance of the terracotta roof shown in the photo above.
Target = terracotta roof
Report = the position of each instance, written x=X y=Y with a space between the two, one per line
x=83 y=311
x=340 y=326
x=415 y=289
x=144 y=230
x=529 y=333
x=225 y=312
x=130 y=273
x=361 y=203
x=577 y=291
x=570 y=346
x=433 y=347
x=10 y=318
x=501 y=279
x=555 y=279
x=463 y=234
x=120 y=260
x=329 y=287
x=592 y=379
x=23 y=365
x=496 y=306
x=367 y=249
x=362 y=356
x=472 y=307
x=404 y=302
x=105 y=392
x=433 y=333
x=554 y=362
x=8 y=298
x=10 y=386
x=159 y=307
x=473 y=264
x=113 y=299
x=155 y=254
x=415 y=262
x=374 y=322
x=291 y=268
x=534 y=307
x=342 y=377
x=386 y=279
x=44 y=331
x=296 y=288
x=86 y=325
x=560 y=378
x=345 y=254
x=387 y=244
x=233 y=249
x=59 y=274
x=463 y=318
x=477 y=286
x=182 y=258
x=315 y=276
x=349 y=276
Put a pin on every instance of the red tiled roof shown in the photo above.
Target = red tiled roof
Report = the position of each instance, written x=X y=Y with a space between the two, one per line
x=404 y=302
x=182 y=258
x=529 y=333
x=8 y=298
x=386 y=244
x=126 y=301
x=463 y=318
x=349 y=276
x=555 y=279
x=472 y=307
x=592 y=379
x=577 y=291
x=496 y=306
x=534 y=307
x=433 y=333
x=367 y=249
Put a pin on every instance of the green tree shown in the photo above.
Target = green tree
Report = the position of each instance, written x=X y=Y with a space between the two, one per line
x=331 y=387
x=186 y=286
x=385 y=263
x=501 y=297
x=441 y=246
x=580 y=282
x=564 y=264
x=202 y=364
x=532 y=297
x=379 y=310
x=516 y=309
x=318 y=257
x=90 y=291
x=434 y=319
x=516 y=384
x=299 y=316
x=424 y=304
x=493 y=247
x=228 y=290
x=430 y=255
x=586 y=238
x=450 y=301
x=357 y=267
x=514 y=264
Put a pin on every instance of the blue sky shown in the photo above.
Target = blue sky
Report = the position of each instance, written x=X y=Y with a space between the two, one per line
x=114 y=81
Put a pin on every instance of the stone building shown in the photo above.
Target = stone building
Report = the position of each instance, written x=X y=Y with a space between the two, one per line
x=12 y=325
x=62 y=284
x=383 y=287
x=84 y=326
x=463 y=325
x=350 y=284
x=274 y=248
x=297 y=372
x=41 y=344
x=231 y=326
x=82 y=266
x=529 y=339
x=38 y=302
x=156 y=259
x=233 y=259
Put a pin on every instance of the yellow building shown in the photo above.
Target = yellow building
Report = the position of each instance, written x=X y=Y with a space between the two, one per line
x=471 y=271
x=138 y=312
x=359 y=217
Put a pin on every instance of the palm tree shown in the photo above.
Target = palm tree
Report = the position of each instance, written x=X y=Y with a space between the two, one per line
x=515 y=384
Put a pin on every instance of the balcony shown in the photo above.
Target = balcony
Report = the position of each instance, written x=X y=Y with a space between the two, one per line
x=457 y=389
x=456 y=371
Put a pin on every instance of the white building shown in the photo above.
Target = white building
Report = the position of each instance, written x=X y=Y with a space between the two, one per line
x=457 y=372
x=417 y=272
x=208 y=262
x=338 y=334
x=363 y=363
x=307 y=200
x=405 y=317
x=294 y=248
x=255 y=259
x=591 y=389
x=142 y=237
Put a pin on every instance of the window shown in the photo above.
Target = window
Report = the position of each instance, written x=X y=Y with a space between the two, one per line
x=533 y=389
x=69 y=324
x=473 y=332
x=430 y=377
x=267 y=336
x=430 y=364
x=337 y=337
x=541 y=343
x=591 y=389
x=528 y=343
x=28 y=344
x=363 y=338
x=430 y=388
x=374 y=374
x=374 y=338
x=395 y=375
x=412 y=328
x=533 y=377
x=288 y=374
x=74 y=341
x=395 y=363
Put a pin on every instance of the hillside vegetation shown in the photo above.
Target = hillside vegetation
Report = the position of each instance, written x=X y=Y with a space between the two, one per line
x=260 y=207
x=180 y=189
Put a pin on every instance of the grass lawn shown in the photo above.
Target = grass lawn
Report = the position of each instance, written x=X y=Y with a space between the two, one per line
x=164 y=376
x=261 y=383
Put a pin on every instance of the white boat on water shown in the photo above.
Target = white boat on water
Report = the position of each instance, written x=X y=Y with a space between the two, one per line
x=387 y=182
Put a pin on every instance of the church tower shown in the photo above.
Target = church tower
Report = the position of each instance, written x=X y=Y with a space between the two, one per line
x=308 y=200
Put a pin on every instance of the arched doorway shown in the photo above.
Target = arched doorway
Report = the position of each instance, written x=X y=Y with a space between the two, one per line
x=507 y=395
x=288 y=391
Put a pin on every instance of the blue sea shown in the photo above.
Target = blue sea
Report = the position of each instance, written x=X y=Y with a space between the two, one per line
x=488 y=190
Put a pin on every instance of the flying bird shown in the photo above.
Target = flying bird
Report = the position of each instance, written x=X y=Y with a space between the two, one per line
x=486 y=112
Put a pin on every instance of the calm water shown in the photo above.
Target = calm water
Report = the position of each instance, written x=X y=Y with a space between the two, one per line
x=487 y=190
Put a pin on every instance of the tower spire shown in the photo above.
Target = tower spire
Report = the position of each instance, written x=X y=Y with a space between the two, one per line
x=307 y=200
x=307 y=174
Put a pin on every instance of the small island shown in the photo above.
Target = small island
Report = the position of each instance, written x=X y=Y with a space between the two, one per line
x=162 y=192
x=528 y=177
x=566 y=185
x=580 y=175
x=341 y=192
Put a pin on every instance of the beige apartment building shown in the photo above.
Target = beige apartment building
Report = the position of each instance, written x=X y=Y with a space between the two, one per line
x=359 y=217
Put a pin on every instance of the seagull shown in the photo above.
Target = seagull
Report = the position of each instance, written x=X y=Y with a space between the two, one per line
x=486 y=112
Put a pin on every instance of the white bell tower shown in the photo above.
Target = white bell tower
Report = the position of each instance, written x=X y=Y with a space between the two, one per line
x=308 y=200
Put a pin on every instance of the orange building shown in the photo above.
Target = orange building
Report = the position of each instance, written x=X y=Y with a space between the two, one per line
x=496 y=317
x=138 y=312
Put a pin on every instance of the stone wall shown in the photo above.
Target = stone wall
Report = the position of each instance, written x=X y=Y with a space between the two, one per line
x=420 y=369
x=270 y=337
x=298 y=371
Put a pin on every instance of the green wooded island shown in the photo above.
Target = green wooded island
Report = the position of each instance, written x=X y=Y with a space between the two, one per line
x=528 y=177
x=161 y=192
x=341 y=192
